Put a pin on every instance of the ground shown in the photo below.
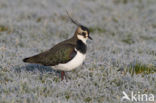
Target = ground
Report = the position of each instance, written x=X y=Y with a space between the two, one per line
x=121 y=56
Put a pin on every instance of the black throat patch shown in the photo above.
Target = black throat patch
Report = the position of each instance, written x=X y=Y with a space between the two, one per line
x=81 y=46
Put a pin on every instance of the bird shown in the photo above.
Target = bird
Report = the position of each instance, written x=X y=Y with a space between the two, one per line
x=66 y=55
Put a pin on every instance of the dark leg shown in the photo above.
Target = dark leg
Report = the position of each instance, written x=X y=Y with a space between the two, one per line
x=62 y=75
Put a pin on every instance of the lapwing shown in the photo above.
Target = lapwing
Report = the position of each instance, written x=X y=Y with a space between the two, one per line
x=66 y=55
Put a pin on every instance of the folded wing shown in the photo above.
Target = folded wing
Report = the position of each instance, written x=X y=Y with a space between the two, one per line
x=54 y=56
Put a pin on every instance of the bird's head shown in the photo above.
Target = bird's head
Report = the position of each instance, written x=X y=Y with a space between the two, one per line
x=82 y=32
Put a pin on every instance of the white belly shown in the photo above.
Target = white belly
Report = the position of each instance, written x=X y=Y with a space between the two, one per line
x=72 y=64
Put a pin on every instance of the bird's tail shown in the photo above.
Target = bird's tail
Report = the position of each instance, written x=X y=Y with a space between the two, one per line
x=29 y=60
x=34 y=59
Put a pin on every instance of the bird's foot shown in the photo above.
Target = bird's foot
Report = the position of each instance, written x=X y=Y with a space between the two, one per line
x=62 y=75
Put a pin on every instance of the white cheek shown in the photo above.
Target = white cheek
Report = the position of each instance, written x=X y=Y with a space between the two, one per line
x=82 y=38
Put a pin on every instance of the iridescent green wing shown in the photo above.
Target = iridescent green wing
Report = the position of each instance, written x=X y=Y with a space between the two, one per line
x=61 y=54
x=56 y=55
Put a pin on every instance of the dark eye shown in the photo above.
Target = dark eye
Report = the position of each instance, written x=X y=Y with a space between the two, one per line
x=84 y=34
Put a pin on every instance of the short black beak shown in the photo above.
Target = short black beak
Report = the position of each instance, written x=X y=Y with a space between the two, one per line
x=90 y=37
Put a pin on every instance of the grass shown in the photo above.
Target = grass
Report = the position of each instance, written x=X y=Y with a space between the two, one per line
x=143 y=69
x=123 y=31
x=126 y=1
x=3 y=28
x=97 y=29
x=128 y=40
x=87 y=100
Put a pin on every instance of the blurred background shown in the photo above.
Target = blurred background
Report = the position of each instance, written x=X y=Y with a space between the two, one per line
x=121 y=57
